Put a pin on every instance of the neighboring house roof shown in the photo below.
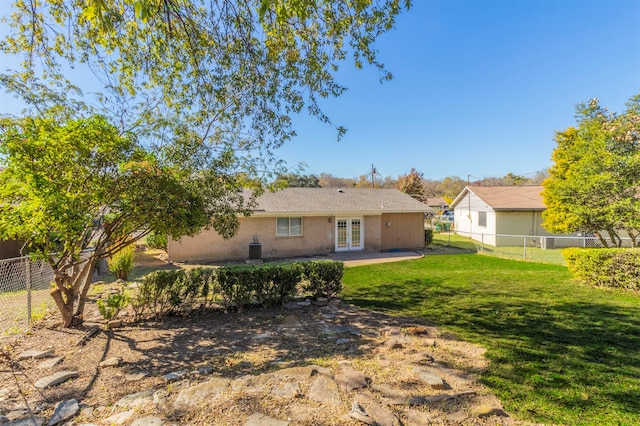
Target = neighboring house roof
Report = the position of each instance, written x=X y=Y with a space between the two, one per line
x=436 y=202
x=506 y=197
x=332 y=201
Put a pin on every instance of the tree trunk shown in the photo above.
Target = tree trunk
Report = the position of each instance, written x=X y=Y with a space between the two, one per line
x=70 y=292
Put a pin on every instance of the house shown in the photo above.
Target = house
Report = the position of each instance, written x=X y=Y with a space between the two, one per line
x=437 y=203
x=495 y=214
x=314 y=221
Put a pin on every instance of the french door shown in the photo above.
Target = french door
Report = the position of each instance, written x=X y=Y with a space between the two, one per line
x=349 y=233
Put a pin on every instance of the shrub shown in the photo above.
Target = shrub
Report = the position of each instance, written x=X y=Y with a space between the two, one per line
x=121 y=263
x=276 y=284
x=197 y=284
x=428 y=237
x=112 y=305
x=159 y=293
x=605 y=267
x=323 y=277
x=235 y=285
x=157 y=240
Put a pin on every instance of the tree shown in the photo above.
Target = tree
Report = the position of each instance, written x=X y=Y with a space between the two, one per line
x=76 y=191
x=412 y=184
x=594 y=183
x=297 y=181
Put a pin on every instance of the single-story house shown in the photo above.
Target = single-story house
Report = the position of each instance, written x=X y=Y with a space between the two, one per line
x=314 y=221
x=436 y=203
x=492 y=214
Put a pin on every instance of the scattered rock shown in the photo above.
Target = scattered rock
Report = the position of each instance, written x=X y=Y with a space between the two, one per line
x=380 y=414
x=393 y=344
x=134 y=377
x=56 y=379
x=417 y=331
x=148 y=421
x=325 y=390
x=135 y=399
x=259 y=419
x=483 y=411
x=388 y=391
x=193 y=395
x=175 y=376
x=50 y=363
x=3 y=419
x=27 y=421
x=429 y=377
x=304 y=303
x=458 y=416
x=35 y=354
x=343 y=341
x=160 y=397
x=202 y=371
x=120 y=418
x=114 y=324
x=64 y=411
x=423 y=358
x=111 y=362
x=288 y=390
x=350 y=379
x=418 y=418
x=359 y=413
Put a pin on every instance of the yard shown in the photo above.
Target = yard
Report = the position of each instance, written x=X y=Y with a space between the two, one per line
x=560 y=352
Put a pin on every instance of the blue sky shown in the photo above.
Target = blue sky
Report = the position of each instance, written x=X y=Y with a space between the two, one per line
x=479 y=88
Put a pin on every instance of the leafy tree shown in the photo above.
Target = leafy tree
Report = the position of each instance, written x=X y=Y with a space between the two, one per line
x=412 y=184
x=594 y=183
x=76 y=191
x=297 y=181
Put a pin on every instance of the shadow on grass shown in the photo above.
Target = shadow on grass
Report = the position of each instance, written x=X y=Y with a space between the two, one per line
x=553 y=359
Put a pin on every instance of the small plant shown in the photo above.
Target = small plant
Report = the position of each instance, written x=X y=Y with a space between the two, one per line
x=159 y=293
x=157 y=240
x=112 y=305
x=428 y=237
x=121 y=263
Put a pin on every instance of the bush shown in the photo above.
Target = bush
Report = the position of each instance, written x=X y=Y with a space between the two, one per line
x=112 y=305
x=276 y=284
x=157 y=240
x=605 y=267
x=323 y=277
x=159 y=293
x=121 y=263
x=235 y=285
x=428 y=237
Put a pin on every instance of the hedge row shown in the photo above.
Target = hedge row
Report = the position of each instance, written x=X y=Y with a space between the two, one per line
x=162 y=292
x=605 y=267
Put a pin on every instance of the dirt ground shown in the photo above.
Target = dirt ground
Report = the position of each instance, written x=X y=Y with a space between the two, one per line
x=231 y=344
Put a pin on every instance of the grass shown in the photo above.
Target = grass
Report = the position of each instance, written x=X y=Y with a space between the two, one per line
x=533 y=254
x=560 y=352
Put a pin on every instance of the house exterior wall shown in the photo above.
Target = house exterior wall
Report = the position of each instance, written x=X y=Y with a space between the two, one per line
x=318 y=237
x=471 y=228
x=518 y=223
x=405 y=230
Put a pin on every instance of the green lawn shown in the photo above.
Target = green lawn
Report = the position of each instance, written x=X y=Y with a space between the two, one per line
x=560 y=352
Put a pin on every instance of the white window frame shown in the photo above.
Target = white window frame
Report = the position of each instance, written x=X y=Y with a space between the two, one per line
x=289 y=227
x=482 y=219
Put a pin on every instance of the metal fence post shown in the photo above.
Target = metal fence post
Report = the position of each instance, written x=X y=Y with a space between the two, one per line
x=524 y=254
x=28 y=276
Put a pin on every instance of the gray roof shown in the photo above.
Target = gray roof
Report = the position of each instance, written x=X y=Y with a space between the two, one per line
x=331 y=201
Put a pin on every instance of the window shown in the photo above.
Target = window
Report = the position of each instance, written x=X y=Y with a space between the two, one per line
x=288 y=226
x=482 y=219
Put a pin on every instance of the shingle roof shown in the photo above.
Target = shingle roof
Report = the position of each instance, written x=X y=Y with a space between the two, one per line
x=337 y=201
x=508 y=197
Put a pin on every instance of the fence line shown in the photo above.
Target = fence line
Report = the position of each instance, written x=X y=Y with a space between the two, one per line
x=24 y=292
x=535 y=248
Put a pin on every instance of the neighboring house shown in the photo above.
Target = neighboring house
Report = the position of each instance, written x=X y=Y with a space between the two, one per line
x=437 y=203
x=10 y=249
x=492 y=213
x=314 y=221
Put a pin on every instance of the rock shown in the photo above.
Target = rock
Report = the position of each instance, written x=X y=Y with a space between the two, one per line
x=350 y=379
x=17 y=413
x=324 y=390
x=304 y=303
x=417 y=331
x=423 y=358
x=343 y=341
x=359 y=413
x=35 y=354
x=458 y=416
x=292 y=305
x=202 y=371
x=175 y=376
x=483 y=411
x=120 y=418
x=56 y=379
x=114 y=324
x=111 y=362
x=388 y=391
x=27 y=421
x=299 y=373
x=148 y=421
x=50 y=363
x=380 y=414
x=3 y=419
x=429 y=377
x=393 y=344
x=394 y=331
x=64 y=411
x=135 y=399
x=259 y=419
x=134 y=377
x=160 y=397
x=209 y=390
x=287 y=390
x=417 y=418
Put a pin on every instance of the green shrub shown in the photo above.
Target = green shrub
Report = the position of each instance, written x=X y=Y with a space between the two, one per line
x=323 y=277
x=197 y=285
x=276 y=284
x=605 y=267
x=428 y=237
x=159 y=293
x=235 y=285
x=112 y=305
x=121 y=263
x=157 y=240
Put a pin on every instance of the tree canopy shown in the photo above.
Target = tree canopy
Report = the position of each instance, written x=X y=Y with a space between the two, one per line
x=594 y=183
x=412 y=184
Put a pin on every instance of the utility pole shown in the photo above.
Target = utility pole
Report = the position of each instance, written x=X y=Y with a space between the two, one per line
x=373 y=173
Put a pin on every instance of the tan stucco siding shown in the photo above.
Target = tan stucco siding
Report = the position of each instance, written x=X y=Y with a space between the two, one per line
x=372 y=236
x=404 y=230
x=317 y=238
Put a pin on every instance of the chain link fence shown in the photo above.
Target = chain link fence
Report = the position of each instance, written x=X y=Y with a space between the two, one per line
x=545 y=249
x=24 y=293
